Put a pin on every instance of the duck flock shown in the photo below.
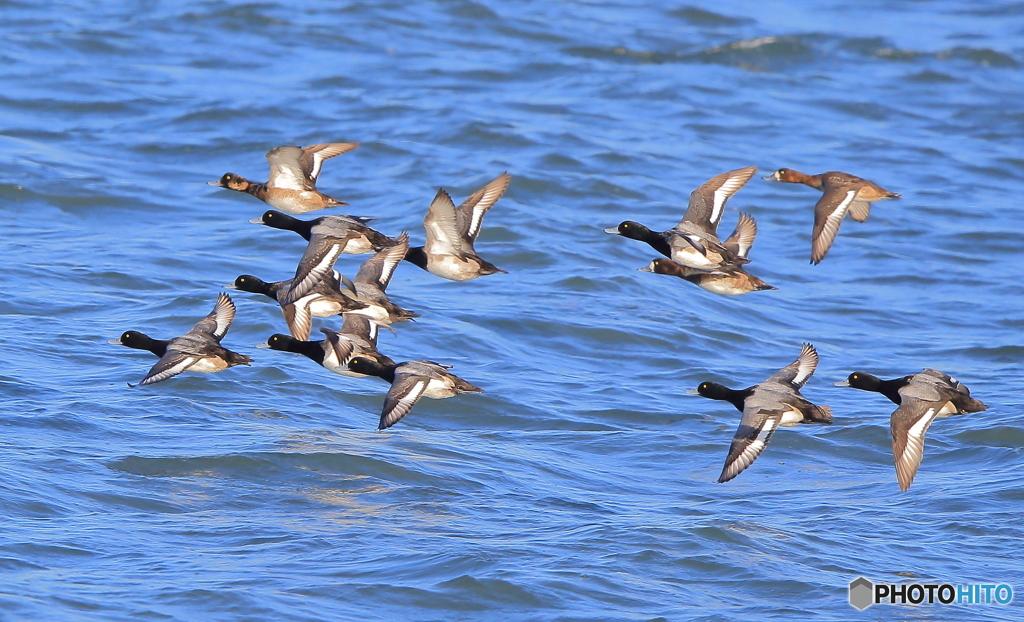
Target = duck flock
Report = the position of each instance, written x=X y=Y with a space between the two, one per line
x=691 y=251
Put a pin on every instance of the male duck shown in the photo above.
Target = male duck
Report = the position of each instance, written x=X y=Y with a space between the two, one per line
x=368 y=240
x=766 y=406
x=357 y=337
x=922 y=398
x=452 y=231
x=410 y=381
x=324 y=300
x=694 y=241
x=197 y=350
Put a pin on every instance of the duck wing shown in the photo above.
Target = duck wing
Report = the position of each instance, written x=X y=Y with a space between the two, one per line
x=755 y=430
x=172 y=363
x=341 y=347
x=442 y=227
x=285 y=171
x=406 y=390
x=470 y=213
x=799 y=371
x=828 y=215
x=314 y=265
x=707 y=203
x=313 y=156
x=742 y=238
x=377 y=270
x=217 y=323
x=859 y=210
x=360 y=326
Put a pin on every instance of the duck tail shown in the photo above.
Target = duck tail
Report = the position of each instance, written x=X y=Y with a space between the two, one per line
x=967 y=405
x=821 y=414
x=464 y=387
x=234 y=358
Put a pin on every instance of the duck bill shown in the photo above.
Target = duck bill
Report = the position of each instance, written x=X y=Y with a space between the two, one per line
x=770 y=177
x=214 y=183
x=612 y=230
x=692 y=392
x=263 y=346
x=646 y=268
x=230 y=286
x=115 y=342
x=256 y=221
x=841 y=383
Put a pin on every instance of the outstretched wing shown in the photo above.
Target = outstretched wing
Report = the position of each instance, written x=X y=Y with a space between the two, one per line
x=217 y=323
x=405 y=391
x=755 y=430
x=442 y=226
x=315 y=264
x=828 y=215
x=377 y=270
x=470 y=214
x=707 y=203
x=908 y=425
x=285 y=171
x=313 y=156
x=172 y=363
x=799 y=371
x=742 y=238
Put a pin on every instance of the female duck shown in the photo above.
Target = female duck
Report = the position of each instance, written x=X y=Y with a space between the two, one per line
x=766 y=406
x=198 y=350
x=842 y=193
x=291 y=186
x=410 y=381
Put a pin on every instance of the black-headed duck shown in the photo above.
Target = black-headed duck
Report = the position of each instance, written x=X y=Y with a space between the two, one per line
x=357 y=337
x=766 y=406
x=198 y=350
x=452 y=231
x=694 y=241
x=922 y=398
x=325 y=299
x=410 y=381
x=368 y=239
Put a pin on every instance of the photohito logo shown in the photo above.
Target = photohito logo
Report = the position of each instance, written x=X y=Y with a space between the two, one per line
x=864 y=593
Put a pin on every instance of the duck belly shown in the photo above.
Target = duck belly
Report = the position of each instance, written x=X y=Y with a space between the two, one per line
x=439 y=389
x=324 y=308
x=452 y=268
x=295 y=201
x=208 y=365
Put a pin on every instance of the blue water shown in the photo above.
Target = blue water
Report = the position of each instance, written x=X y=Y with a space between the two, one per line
x=581 y=485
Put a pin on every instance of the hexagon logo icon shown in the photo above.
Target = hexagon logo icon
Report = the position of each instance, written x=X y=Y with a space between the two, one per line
x=861 y=593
